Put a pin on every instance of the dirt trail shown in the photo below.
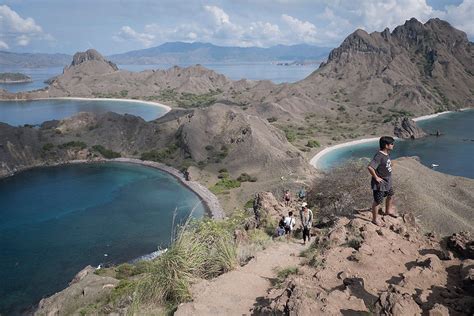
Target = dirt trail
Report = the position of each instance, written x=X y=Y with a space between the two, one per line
x=239 y=291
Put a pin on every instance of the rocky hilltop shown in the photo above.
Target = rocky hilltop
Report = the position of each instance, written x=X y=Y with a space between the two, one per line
x=413 y=68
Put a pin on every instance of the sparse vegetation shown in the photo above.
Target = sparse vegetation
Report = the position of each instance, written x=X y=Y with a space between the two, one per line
x=341 y=190
x=245 y=177
x=73 y=145
x=106 y=153
x=47 y=147
x=224 y=185
x=160 y=155
x=312 y=143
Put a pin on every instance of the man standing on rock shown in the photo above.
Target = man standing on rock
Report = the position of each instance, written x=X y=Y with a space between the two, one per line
x=381 y=170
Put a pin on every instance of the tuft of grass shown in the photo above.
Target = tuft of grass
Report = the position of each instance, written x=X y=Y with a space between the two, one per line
x=312 y=143
x=224 y=184
x=283 y=274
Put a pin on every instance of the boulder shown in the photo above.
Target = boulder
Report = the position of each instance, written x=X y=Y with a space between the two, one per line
x=407 y=129
x=439 y=310
x=392 y=303
x=467 y=275
x=462 y=244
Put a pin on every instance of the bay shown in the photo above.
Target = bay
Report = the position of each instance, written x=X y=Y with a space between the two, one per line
x=57 y=220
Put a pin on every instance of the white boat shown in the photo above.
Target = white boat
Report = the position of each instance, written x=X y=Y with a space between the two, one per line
x=433 y=165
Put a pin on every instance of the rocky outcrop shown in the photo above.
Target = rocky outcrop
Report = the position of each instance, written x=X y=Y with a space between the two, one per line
x=462 y=244
x=407 y=129
x=85 y=289
x=413 y=68
x=90 y=54
x=390 y=270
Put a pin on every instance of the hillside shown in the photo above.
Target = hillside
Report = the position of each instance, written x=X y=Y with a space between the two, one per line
x=415 y=68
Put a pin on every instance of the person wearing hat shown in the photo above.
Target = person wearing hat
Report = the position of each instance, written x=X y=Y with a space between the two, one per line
x=306 y=221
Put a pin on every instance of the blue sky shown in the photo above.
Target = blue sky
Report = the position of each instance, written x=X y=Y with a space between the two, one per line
x=114 y=26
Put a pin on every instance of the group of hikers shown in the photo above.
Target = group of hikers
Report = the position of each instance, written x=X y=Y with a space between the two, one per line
x=380 y=168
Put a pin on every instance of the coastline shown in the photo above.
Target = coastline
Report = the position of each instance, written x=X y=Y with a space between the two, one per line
x=164 y=106
x=315 y=159
x=210 y=201
x=208 y=198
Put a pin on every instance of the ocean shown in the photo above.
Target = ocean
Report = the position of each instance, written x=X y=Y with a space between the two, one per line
x=57 y=220
x=453 y=151
x=36 y=112
x=234 y=71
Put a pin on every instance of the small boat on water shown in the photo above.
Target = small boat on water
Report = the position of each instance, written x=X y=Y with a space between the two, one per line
x=433 y=165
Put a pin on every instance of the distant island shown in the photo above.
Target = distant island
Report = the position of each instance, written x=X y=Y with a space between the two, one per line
x=14 y=77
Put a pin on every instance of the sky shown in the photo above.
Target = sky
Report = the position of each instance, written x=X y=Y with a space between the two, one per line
x=116 y=26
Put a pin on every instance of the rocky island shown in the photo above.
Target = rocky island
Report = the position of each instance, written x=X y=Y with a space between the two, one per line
x=14 y=77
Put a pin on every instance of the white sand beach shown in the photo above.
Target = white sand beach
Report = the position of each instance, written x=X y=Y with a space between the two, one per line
x=166 y=107
x=325 y=151
x=314 y=161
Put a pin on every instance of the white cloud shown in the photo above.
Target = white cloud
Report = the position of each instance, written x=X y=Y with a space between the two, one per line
x=3 y=45
x=17 y=30
x=302 y=30
x=331 y=22
x=23 y=40
x=127 y=33
x=219 y=15
x=12 y=22
x=461 y=16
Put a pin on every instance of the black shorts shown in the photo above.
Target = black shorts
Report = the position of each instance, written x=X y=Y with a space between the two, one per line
x=287 y=230
x=380 y=195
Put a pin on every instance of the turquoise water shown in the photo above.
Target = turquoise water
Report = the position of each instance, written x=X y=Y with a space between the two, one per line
x=36 y=112
x=234 y=71
x=453 y=151
x=57 y=220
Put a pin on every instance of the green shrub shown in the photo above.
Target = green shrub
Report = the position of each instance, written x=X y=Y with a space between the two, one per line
x=48 y=147
x=106 y=153
x=73 y=144
x=160 y=155
x=312 y=143
x=225 y=184
x=245 y=177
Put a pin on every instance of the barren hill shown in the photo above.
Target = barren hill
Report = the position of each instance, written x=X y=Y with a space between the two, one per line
x=413 y=68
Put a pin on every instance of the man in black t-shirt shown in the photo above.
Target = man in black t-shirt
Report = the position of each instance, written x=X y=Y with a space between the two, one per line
x=381 y=170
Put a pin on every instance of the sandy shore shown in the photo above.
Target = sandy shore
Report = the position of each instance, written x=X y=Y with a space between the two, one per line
x=314 y=161
x=166 y=107
x=427 y=117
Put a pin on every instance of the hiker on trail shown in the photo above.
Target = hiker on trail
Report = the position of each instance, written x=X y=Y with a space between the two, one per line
x=306 y=221
x=287 y=197
x=381 y=170
x=280 y=230
x=289 y=224
x=256 y=208
x=302 y=194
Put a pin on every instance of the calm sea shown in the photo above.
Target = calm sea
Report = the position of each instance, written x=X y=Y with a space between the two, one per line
x=453 y=151
x=36 y=112
x=55 y=221
x=234 y=71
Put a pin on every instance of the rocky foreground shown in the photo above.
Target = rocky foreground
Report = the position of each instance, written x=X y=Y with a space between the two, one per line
x=351 y=267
